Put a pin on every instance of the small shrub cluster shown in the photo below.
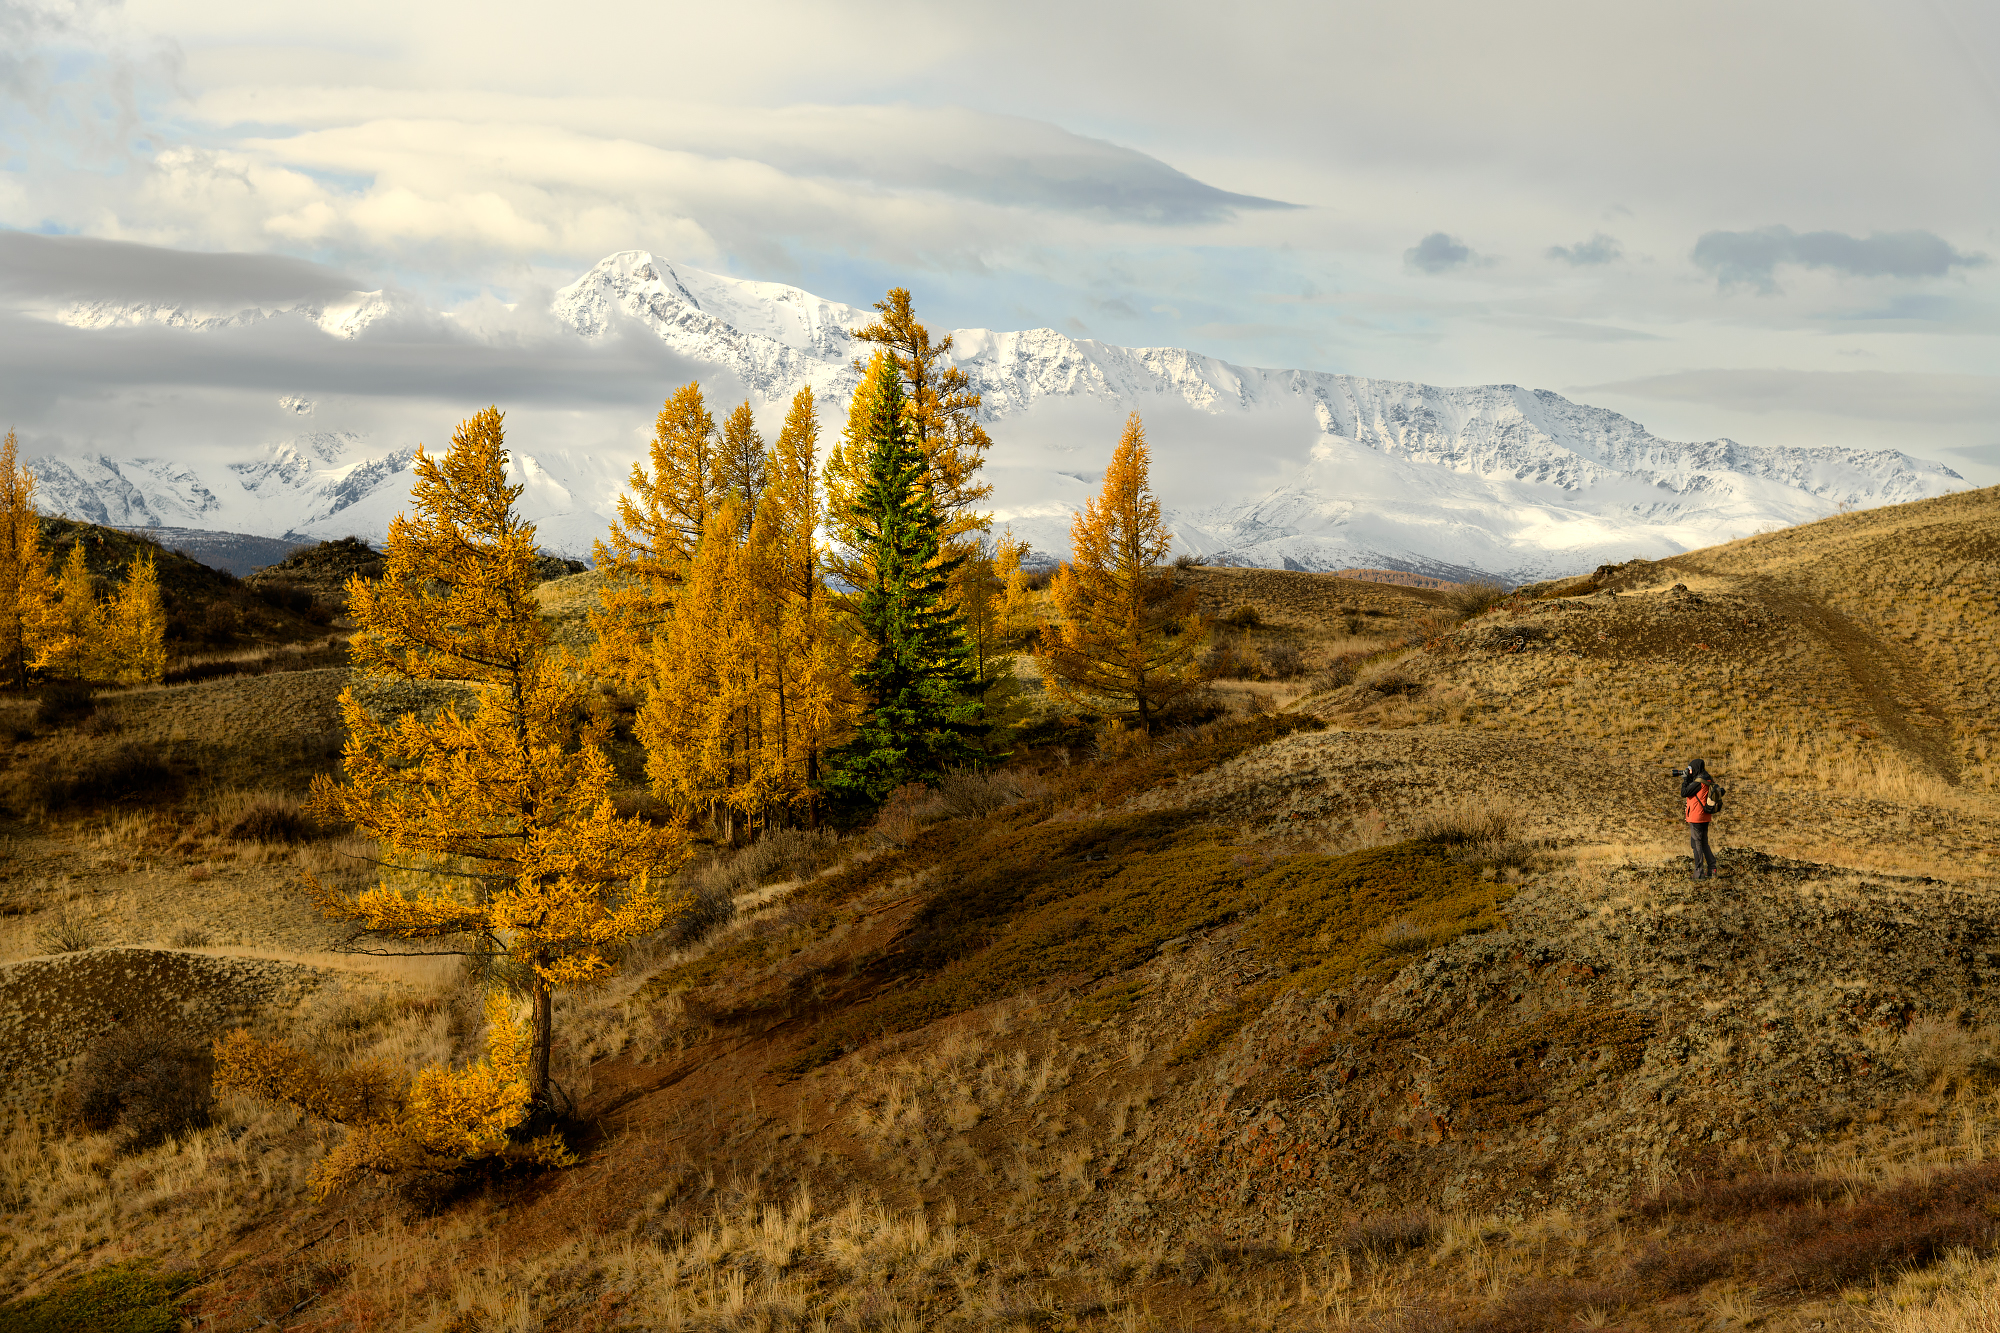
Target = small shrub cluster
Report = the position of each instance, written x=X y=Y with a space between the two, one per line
x=1792 y=1233
x=963 y=794
x=271 y=821
x=1241 y=617
x=1463 y=824
x=1341 y=672
x=779 y=855
x=133 y=771
x=65 y=702
x=1390 y=1234
x=1473 y=598
x=67 y=930
x=152 y=1082
x=1231 y=659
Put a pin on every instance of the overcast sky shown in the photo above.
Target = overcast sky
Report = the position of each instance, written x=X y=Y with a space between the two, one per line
x=1772 y=221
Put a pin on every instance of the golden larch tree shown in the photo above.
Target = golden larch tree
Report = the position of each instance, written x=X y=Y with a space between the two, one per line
x=436 y=1121
x=502 y=816
x=811 y=655
x=743 y=463
x=24 y=568
x=702 y=723
x=1127 y=635
x=661 y=517
x=69 y=641
x=750 y=678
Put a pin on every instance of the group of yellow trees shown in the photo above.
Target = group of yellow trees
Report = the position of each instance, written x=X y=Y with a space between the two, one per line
x=771 y=666
x=53 y=625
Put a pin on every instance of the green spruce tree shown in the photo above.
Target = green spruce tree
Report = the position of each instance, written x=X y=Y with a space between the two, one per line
x=918 y=682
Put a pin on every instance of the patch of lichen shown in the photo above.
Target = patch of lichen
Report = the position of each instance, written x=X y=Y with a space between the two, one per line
x=1327 y=921
x=1507 y=1079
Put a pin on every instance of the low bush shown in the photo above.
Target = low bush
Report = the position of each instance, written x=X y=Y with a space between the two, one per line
x=1463 y=824
x=285 y=596
x=221 y=622
x=1339 y=673
x=1232 y=659
x=63 y=702
x=1474 y=597
x=1283 y=661
x=1242 y=616
x=1390 y=1234
x=152 y=1082
x=270 y=821
x=67 y=930
x=1392 y=680
x=120 y=1298
x=711 y=906
x=133 y=771
x=971 y=794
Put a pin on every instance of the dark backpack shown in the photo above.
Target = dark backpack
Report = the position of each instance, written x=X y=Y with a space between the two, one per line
x=1713 y=801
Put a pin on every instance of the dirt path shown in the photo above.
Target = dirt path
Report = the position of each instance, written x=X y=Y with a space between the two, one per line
x=1905 y=710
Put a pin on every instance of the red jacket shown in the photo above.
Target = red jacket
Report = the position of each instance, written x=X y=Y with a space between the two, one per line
x=1697 y=807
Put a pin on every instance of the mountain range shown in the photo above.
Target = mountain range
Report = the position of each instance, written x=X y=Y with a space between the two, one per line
x=1278 y=468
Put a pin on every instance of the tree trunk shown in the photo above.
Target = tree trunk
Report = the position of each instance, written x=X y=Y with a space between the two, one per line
x=544 y=1035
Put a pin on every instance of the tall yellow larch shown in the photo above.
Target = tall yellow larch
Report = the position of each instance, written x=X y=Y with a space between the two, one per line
x=70 y=640
x=135 y=627
x=661 y=517
x=1127 y=635
x=742 y=463
x=24 y=567
x=702 y=723
x=810 y=673
x=502 y=815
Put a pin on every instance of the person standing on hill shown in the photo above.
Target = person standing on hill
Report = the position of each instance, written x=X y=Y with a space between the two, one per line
x=1699 y=792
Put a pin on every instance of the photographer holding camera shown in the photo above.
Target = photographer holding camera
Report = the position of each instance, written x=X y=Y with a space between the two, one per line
x=1702 y=796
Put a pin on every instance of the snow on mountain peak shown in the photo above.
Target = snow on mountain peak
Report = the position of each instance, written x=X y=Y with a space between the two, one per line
x=1293 y=468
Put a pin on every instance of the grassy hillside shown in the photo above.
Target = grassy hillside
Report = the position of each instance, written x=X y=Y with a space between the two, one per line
x=1380 y=1001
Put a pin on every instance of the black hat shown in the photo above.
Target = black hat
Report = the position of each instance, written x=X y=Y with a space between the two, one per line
x=1697 y=766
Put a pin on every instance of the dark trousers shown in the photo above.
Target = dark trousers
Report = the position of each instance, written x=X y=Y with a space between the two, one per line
x=1704 y=859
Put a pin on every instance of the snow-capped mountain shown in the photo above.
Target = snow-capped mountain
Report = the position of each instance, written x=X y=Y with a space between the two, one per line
x=1300 y=469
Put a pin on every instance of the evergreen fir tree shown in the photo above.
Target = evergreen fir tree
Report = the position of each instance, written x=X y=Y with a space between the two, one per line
x=919 y=716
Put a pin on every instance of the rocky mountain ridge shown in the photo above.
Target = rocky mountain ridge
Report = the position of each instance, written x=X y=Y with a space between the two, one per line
x=1277 y=468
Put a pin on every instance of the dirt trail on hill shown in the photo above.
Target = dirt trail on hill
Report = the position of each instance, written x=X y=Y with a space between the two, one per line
x=1905 y=710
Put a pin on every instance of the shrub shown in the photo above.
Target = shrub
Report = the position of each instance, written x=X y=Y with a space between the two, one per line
x=65 y=701
x=1340 y=672
x=1390 y=1234
x=151 y=1081
x=1231 y=659
x=285 y=596
x=270 y=821
x=119 y=1298
x=221 y=622
x=975 y=795
x=1459 y=825
x=1284 y=661
x=189 y=936
x=105 y=722
x=712 y=907
x=1474 y=597
x=1393 y=680
x=1189 y=560
x=67 y=931
x=132 y=771
x=1242 y=616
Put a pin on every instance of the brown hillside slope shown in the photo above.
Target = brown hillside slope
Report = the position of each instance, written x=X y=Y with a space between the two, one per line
x=1403 y=1018
x=1848 y=666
